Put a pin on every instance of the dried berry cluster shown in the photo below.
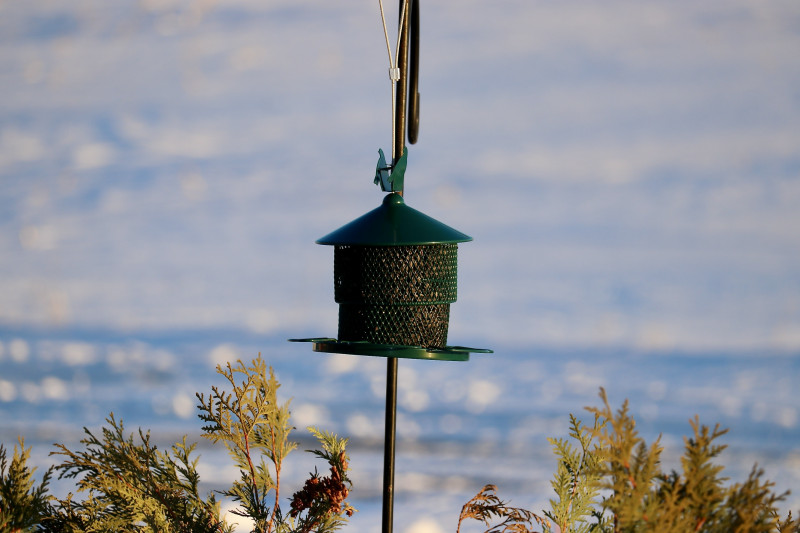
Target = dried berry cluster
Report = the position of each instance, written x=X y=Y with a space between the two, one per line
x=330 y=489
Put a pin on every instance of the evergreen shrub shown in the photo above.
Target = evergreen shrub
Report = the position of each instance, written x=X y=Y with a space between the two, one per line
x=131 y=486
x=607 y=479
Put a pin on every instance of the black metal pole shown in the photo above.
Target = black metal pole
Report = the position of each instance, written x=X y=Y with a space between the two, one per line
x=391 y=363
x=388 y=446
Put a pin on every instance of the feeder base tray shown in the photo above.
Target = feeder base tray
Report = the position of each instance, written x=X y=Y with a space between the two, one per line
x=448 y=353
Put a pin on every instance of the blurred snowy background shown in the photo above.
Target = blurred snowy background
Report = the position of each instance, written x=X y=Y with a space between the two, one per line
x=630 y=172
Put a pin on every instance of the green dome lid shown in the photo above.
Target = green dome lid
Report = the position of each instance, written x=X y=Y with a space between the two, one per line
x=393 y=223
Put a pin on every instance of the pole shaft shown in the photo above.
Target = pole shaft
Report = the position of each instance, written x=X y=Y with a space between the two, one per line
x=389 y=440
x=391 y=362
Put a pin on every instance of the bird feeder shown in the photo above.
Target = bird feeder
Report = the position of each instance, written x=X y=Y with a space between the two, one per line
x=395 y=276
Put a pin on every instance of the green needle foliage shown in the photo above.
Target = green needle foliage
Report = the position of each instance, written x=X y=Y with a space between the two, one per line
x=607 y=479
x=249 y=421
x=131 y=486
x=21 y=503
x=611 y=481
x=576 y=481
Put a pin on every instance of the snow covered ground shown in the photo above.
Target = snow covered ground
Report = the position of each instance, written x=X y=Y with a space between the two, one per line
x=630 y=172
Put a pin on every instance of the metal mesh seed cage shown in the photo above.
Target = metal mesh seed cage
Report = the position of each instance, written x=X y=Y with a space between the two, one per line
x=397 y=295
x=401 y=325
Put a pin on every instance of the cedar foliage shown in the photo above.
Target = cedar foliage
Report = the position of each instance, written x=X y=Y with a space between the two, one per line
x=21 y=502
x=132 y=486
x=607 y=480
x=611 y=481
x=250 y=420
x=486 y=506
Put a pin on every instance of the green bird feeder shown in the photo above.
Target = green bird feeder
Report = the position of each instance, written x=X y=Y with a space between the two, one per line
x=395 y=276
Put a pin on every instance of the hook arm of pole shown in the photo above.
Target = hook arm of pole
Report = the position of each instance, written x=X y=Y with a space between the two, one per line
x=413 y=74
x=407 y=105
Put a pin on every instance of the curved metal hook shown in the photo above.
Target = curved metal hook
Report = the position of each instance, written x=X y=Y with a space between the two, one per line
x=409 y=76
x=413 y=74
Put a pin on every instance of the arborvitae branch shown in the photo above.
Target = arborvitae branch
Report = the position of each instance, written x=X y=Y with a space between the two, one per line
x=789 y=525
x=637 y=496
x=132 y=486
x=21 y=503
x=576 y=480
x=487 y=506
x=251 y=422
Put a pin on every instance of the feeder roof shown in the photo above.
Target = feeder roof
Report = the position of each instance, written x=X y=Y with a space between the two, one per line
x=394 y=223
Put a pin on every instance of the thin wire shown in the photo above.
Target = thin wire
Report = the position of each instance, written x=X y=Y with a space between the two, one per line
x=386 y=33
x=393 y=65
x=399 y=30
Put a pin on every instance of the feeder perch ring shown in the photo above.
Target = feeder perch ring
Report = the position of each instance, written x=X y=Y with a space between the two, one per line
x=448 y=353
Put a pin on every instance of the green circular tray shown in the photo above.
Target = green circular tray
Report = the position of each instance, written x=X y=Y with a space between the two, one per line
x=448 y=353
